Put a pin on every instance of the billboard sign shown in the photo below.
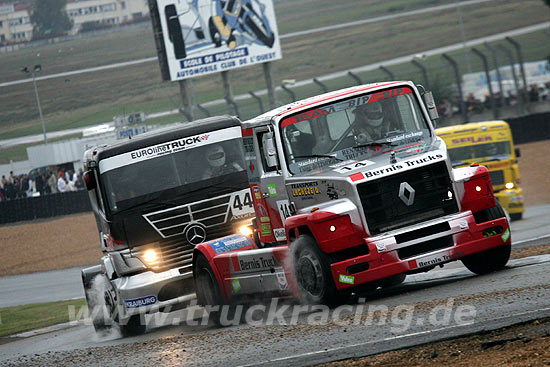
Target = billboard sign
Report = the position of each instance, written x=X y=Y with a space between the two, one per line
x=208 y=36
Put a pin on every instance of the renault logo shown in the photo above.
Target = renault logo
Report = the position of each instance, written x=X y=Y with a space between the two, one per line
x=406 y=193
x=195 y=233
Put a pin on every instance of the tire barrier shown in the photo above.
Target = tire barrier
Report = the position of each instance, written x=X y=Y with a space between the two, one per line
x=44 y=206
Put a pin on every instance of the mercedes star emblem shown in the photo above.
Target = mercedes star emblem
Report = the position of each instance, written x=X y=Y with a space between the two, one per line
x=195 y=233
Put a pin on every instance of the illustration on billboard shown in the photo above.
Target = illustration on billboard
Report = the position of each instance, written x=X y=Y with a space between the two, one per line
x=206 y=36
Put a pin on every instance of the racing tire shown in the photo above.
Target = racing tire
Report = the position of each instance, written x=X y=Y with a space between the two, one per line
x=312 y=272
x=392 y=281
x=98 y=312
x=207 y=288
x=133 y=326
x=516 y=216
x=491 y=260
x=259 y=31
x=174 y=31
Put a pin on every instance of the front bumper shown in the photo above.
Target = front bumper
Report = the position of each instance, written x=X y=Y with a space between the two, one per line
x=399 y=252
x=511 y=200
x=150 y=292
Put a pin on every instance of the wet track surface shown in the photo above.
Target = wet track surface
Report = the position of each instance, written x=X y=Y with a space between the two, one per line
x=430 y=306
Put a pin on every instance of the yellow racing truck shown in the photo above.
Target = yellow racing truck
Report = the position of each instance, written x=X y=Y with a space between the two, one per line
x=489 y=143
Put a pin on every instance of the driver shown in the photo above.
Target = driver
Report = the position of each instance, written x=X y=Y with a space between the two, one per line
x=370 y=123
x=217 y=164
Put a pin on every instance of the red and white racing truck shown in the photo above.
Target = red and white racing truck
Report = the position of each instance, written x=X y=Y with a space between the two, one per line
x=352 y=189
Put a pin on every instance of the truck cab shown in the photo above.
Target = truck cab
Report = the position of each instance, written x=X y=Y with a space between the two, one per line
x=489 y=143
x=353 y=188
x=155 y=197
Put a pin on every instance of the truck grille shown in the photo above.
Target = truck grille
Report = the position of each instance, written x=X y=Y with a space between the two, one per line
x=497 y=177
x=211 y=214
x=385 y=210
x=171 y=254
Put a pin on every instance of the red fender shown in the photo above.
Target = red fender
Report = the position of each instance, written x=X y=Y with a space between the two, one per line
x=333 y=232
x=478 y=191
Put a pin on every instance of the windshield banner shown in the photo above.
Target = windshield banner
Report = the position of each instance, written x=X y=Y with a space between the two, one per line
x=169 y=147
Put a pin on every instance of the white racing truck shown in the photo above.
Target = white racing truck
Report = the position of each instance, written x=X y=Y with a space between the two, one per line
x=155 y=197
x=357 y=190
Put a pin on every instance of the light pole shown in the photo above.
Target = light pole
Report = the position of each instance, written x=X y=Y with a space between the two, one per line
x=36 y=69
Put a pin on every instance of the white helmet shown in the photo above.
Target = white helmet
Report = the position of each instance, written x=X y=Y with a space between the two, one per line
x=372 y=113
x=216 y=156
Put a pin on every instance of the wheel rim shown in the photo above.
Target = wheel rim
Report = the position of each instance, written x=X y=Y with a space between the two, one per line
x=310 y=275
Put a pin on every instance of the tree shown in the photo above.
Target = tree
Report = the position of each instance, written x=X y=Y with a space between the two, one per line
x=547 y=2
x=49 y=18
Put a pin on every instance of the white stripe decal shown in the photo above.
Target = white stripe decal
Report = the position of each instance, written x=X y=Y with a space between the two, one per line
x=169 y=147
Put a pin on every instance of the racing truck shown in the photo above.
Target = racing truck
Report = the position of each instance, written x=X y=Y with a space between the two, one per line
x=352 y=189
x=489 y=143
x=155 y=197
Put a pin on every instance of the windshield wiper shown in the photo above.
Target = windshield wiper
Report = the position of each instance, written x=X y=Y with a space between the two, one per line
x=375 y=144
x=319 y=156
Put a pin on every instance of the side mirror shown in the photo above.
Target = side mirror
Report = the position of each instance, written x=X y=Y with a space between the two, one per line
x=518 y=153
x=430 y=105
x=89 y=180
x=270 y=152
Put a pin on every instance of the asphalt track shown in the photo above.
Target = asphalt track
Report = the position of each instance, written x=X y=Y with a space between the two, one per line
x=518 y=293
x=65 y=284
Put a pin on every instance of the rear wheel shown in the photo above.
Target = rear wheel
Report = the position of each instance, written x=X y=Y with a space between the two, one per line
x=516 y=216
x=312 y=273
x=491 y=260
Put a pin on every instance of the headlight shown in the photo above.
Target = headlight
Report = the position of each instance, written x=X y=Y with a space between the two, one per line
x=509 y=185
x=246 y=231
x=150 y=256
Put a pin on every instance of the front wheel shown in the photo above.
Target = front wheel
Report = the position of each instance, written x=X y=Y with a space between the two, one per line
x=207 y=288
x=494 y=259
x=312 y=272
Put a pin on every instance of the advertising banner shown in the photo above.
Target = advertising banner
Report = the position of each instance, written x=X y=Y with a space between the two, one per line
x=209 y=36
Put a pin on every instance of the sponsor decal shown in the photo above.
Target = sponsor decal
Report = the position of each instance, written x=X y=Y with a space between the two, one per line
x=265 y=229
x=280 y=234
x=272 y=190
x=236 y=284
x=247 y=263
x=140 y=302
x=265 y=219
x=304 y=189
x=169 y=147
x=347 y=279
x=405 y=164
x=505 y=235
x=472 y=139
x=434 y=259
x=283 y=282
x=257 y=193
x=230 y=243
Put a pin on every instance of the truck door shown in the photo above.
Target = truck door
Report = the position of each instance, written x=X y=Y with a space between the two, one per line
x=270 y=196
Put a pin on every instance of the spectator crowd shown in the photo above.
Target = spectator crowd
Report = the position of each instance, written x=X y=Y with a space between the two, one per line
x=473 y=105
x=23 y=186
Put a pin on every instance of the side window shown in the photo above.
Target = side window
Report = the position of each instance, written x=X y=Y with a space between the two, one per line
x=268 y=153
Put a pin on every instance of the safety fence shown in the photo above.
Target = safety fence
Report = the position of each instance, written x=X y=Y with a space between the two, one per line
x=46 y=206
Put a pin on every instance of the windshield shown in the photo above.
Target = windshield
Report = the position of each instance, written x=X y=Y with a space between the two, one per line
x=190 y=170
x=480 y=152
x=357 y=128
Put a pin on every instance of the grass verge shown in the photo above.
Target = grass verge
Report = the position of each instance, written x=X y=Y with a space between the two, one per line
x=17 y=319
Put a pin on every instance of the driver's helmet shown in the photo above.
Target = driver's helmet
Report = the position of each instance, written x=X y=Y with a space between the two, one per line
x=216 y=156
x=371 y=113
